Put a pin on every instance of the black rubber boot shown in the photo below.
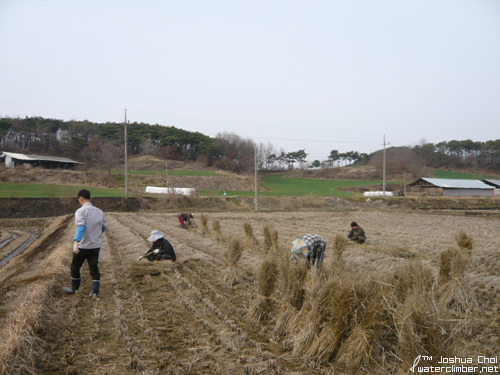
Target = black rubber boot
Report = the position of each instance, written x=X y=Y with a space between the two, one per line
x=75 y=285
x=95 y=289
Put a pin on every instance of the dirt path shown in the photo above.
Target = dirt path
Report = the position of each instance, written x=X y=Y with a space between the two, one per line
x=183 y=318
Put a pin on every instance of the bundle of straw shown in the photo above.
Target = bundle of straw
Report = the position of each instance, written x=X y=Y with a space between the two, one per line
x=464 y=241
x=250 y=238
x=410 y=276
x=454 y=291
x=203 y=222
x=370 y=324
x=418 y=329
x=262 y=307
x=331 y=318
x=231 y=258
x=216 y=233
x=274 y=241
x=292 y=287
x=268 y=243
x=339 y=242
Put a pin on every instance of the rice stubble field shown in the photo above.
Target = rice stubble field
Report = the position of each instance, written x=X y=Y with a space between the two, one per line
x=424 y=284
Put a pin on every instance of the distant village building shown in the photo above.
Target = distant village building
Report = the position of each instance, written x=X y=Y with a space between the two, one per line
x=452 y=188
x=12 y=159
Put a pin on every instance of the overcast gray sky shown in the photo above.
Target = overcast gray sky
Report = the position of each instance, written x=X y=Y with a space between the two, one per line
x=301 y=74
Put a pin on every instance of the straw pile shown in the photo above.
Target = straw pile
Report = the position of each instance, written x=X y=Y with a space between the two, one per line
x=232 y=256
x=216 y=231
x=250 y=238
x=363 y=321
x=454 y=291
x=291 y=285
x=274 y=240
x=19 y=348
x=464 y=241
x=203 y=222
x=370 y=326
x=268 y=243
x=262 y=307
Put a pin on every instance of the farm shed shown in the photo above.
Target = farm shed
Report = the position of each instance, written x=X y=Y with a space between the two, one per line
x=452 y=188
x=11 y=159
x=495 y=184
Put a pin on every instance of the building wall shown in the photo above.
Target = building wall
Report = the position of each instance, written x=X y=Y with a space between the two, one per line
x=467 y=192
x=9 y=163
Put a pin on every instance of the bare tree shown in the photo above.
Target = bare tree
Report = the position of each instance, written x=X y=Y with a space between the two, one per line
x=148 y=147
x=238 y=153
x=110 y=155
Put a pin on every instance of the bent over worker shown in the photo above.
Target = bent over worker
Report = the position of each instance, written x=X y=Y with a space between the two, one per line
x=161 y=249
x=90 y=225
x=316 y=246
x=185 y=219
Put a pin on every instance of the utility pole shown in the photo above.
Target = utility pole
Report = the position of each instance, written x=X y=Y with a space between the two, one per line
x=404 y=183
x=126 y=159
x=383 y=170
x=166 y=170
x=256 y=186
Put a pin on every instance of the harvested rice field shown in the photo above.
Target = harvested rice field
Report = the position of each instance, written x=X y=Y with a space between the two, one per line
x=424 y=286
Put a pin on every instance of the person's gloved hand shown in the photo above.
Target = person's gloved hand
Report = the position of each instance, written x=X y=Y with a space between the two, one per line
x=76 y=250
x=156 y=251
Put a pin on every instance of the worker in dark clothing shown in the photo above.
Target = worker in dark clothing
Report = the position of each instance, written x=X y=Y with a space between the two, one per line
x=185 y=219
x=160 y=249
x=356 y=234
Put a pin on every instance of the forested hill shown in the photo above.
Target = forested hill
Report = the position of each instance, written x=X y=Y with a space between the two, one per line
x=102 y=144
x=74 y=138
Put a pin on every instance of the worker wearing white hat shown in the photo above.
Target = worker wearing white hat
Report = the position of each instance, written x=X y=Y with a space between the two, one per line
x=160 y=249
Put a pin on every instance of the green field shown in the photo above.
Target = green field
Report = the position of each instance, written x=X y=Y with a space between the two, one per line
x=280 y=184
x=275 y=185
x=438 y=173
x=52 y=191
x=283 y=184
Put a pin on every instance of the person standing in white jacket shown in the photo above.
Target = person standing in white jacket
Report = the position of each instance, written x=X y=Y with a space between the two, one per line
x=90 y=225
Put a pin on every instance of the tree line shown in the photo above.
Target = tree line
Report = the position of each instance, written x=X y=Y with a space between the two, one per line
x=103 y=143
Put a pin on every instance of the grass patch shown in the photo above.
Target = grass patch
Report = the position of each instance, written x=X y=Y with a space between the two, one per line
x=52 y=191
x=170 y=173
x=284 y=185
x=438 y=173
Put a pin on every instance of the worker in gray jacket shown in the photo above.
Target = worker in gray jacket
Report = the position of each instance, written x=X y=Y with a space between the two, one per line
x=90 y=225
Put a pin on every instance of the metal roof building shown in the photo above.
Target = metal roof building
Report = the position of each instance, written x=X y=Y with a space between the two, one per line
x=11 y=159
x=453 y=188
x=495 y=184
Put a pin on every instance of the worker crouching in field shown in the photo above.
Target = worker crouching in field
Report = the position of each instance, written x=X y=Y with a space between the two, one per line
x=356 y=234
x=185 y=219
x=161 y=249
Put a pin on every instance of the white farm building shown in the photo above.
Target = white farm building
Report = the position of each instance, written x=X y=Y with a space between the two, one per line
x=452 y=188
x=13 y=159
x=495 y=184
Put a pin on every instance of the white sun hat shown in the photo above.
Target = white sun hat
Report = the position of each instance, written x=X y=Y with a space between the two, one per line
x=155 y=235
